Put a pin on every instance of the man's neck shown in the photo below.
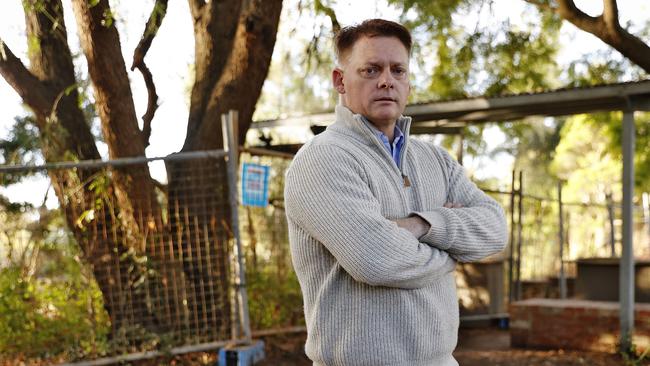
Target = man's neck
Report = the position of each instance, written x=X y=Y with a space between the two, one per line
x=387 y=129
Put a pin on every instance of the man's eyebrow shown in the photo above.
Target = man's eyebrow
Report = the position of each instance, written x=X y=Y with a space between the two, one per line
x=380 y=63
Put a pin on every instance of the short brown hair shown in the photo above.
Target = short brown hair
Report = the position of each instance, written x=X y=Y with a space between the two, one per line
x=348 y=36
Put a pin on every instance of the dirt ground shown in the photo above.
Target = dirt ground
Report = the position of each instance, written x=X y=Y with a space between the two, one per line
x=476 y=347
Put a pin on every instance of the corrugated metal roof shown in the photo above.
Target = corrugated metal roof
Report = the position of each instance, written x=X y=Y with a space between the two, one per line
x=633 y=95
x=566 y=101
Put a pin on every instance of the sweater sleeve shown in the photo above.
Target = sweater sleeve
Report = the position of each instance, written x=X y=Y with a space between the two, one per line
x=474 y=231
x=327 y=196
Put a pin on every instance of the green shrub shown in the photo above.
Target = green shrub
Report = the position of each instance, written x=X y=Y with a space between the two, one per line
x=46 y=317
x=274 y=301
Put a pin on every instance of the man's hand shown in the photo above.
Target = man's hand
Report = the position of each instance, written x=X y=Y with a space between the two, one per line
x=415 y=224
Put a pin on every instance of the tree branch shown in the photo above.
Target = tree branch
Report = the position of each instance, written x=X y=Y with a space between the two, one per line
x=152 y=102
x=320 y=7
x=28 y=86
x=607 y=28
x=100 y=43
x=150 y=31
x=196 y=8
x=610 y=15
x=568 y=10
x=542 y=5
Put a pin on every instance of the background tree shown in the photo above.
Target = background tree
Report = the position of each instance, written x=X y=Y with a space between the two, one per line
x=480 y=59
x=468 y=48
x=233 y=45
x=234 y=41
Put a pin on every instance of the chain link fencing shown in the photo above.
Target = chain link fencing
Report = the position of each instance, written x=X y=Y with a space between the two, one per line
x=154 y=269
x=126 y=264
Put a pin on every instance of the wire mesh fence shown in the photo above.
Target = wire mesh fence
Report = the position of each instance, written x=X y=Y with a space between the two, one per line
x=130 y=264
x=150 y=262
x=549 y=235
x=274 y=292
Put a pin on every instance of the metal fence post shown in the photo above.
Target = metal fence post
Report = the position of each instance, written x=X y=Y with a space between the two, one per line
x=627 y=252
x=511 y=284
x=231 y=146
x=562 y=278
x=646 y=213
x=612 y=232
x=520 y=216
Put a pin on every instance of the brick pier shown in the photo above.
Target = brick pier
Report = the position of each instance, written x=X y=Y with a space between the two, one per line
x=574 y=324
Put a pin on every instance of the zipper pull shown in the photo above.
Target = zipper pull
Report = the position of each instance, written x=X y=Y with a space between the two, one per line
x=407 y=182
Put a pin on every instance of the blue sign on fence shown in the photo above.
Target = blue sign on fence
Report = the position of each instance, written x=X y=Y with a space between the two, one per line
x=255 y=185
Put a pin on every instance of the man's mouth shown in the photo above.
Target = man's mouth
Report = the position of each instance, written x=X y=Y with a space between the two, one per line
x=385 y=99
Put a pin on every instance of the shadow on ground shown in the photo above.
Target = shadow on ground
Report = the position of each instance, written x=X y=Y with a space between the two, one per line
x=480 y=346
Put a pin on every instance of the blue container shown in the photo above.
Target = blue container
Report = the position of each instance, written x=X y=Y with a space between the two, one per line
x=241 y=355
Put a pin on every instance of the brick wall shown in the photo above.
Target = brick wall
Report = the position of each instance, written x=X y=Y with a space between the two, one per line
x=574 y=324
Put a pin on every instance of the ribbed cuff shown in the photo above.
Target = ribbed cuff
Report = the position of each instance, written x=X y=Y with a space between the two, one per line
x=437 y=235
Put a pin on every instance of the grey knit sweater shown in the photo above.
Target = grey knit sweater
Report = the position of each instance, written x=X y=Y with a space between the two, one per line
x=373 y=293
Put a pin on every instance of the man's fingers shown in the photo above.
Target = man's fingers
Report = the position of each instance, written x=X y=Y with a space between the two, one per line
x=452 y=205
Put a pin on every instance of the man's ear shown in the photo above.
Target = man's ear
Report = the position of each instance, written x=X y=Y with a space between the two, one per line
x=337 y=80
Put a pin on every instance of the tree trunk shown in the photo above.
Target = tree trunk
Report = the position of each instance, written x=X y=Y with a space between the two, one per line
x=159 y=270
x=106 y=234
x=238 y=86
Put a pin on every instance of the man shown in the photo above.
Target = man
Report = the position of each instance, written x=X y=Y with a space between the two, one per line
x=377 y=220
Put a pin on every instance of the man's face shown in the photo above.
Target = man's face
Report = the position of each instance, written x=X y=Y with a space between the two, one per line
x=374 y=80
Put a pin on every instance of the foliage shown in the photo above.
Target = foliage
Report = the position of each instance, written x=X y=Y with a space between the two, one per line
x=56 y=308
x=481 y=58
x=49 y=318
x=274 y=293
x=274 y=301
x=49 y=304
x=633 y=357
x=584 y=158
x=590 y=152
x=20 y=147
x=301 y=66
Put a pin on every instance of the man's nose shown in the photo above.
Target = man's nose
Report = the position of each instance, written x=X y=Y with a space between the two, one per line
x=386 y=80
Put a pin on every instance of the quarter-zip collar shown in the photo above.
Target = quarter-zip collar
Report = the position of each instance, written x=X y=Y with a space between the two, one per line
x=357 y=127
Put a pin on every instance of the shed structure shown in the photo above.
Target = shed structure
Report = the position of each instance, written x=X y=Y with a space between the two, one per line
x=451 y=116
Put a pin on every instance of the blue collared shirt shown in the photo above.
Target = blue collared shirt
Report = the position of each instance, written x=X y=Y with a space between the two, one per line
x=394 y=149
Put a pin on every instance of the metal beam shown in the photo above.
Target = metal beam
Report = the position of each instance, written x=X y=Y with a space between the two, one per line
x=626 y=275
x=612 y=97
x=552 y=103
x=90 y=164
x=417 y=130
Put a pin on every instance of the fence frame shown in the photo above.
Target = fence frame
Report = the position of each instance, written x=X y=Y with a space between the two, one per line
x=240 y=308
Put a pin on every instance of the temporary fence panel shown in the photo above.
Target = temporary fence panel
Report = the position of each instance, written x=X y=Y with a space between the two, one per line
x=160 y=252
x=274 y=292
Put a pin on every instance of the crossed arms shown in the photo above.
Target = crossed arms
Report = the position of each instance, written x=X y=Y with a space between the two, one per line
x=330 y=200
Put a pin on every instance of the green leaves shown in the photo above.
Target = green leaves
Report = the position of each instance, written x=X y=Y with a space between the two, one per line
x=50 y=305
x=21 y=147
x=107 y=18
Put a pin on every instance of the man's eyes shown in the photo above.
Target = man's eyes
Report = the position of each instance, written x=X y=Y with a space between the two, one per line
x=375 y=71
x=399 y=71
x=370 y=71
